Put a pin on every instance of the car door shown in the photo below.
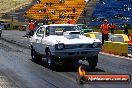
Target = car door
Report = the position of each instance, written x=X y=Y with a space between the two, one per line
x=38 y=40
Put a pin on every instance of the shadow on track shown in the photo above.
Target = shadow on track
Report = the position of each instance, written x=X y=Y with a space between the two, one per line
x=71 y=67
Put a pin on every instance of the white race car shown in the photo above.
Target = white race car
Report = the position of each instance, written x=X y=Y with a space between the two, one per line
x=65 y=43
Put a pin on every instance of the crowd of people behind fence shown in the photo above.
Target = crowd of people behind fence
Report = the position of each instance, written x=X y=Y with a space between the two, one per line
x=60 y=13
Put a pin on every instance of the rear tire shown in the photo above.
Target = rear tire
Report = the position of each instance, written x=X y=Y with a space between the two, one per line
x=93 y=61
x=0 y=34
x=35 y=57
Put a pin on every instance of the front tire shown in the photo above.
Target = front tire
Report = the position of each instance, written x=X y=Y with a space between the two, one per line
x=93 y=61
x=49 y=59
x=35 y=57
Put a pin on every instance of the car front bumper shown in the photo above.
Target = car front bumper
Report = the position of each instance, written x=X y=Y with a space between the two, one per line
x=78 y=53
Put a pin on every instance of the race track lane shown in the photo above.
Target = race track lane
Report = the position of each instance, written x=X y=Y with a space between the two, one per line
x=16 y=64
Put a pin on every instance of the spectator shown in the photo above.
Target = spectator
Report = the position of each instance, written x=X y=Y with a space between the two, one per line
x=50 y=4
x=36 y=26
x=112 y=28
x=45 y=21
x=126 y=27
x=71 y=21
x=25 y=13
x=74 y=10
x=84 y=12
x=84 y=22
x=46 y=4
x=61 y=1
x=27 y=31
x=44 y=10
x=68 y=16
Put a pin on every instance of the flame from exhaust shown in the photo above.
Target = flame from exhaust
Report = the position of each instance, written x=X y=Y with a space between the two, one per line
x=81 y=71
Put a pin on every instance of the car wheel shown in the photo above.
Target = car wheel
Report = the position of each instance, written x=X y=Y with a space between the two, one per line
x=35 y=57
x=93 y=61
x=0 y=34
x=49 y=59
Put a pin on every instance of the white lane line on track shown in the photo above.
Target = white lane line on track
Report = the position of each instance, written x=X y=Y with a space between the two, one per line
x=128 y=58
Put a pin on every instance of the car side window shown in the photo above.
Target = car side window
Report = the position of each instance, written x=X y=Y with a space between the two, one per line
x=40 y=32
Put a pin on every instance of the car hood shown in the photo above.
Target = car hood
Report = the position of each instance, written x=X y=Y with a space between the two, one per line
x=80 y=40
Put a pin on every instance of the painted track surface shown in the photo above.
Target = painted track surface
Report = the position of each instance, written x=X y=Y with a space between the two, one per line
x=15 y=62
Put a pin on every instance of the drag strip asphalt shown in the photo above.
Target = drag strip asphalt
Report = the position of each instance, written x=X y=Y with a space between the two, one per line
x=16 y=64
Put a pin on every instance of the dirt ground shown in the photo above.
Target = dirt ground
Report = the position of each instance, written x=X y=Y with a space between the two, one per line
x=9 y=5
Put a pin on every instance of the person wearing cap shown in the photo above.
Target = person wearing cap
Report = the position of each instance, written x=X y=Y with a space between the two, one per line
x=105 y=31
x=31 y=27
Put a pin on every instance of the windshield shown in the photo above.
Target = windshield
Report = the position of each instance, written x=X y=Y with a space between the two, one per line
x=83 y=26
x=59 y=30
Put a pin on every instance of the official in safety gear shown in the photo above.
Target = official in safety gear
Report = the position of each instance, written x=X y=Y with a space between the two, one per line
x=72 y=20
x=105 y=31
x=31 y=27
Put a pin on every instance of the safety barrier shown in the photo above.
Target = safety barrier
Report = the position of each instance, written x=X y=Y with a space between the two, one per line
x=117 y=44
x=119 y=38
x=95 y=35
x=116 y=48
x=90 y=35
x=112 y=37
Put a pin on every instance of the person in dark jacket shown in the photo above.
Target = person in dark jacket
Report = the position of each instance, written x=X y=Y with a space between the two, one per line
x=45 y=21
x=126 y=27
